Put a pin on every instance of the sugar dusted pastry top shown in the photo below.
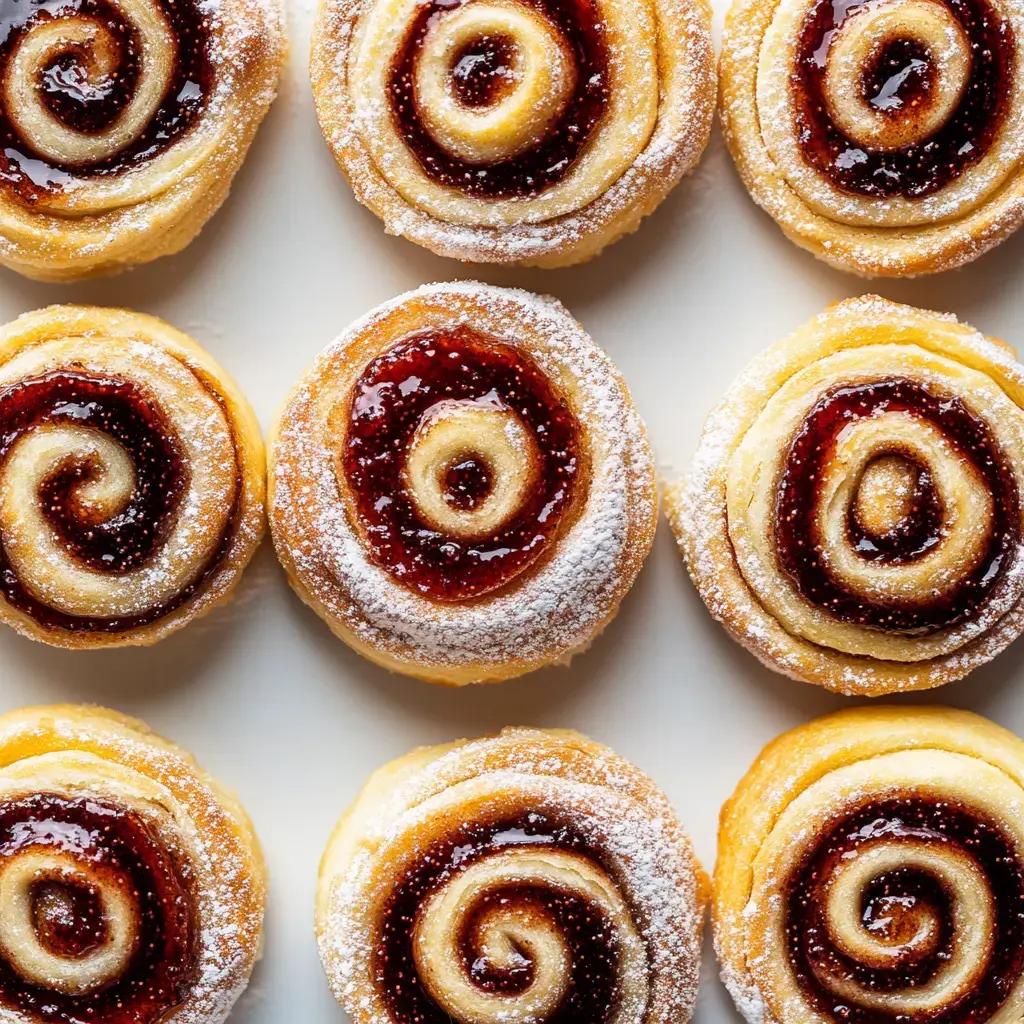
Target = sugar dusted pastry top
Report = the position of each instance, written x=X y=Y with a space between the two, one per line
x=542 y=606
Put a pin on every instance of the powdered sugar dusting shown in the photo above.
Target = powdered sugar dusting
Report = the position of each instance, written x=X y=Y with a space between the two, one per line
x=687 y=92
x=545 y=614
x=228 y=886
x=603 y=798
x=697 y=506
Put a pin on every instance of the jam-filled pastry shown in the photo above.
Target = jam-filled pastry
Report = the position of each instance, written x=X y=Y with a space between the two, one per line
x=131 y=885
x=460 y=485
x=871 y=868
x=853 y=514
x=132 y=478
x=122 y=124
x=885 y=136
x=532 y=876
x=514 y=131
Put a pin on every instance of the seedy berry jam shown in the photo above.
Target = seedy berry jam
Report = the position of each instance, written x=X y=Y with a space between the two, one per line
x=89 y=106
x=593 y=992
x=117 y=848
x=68 y=919
x=894 y=900
x=901 y=77
x=133 y=537
x=390 y=399
x=467 y=484
x=538 y=168
x=797 y=507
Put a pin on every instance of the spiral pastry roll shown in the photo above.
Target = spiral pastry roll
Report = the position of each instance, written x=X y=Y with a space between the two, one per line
x=460 y=485
x=885 y=136
x=532 y=876
x=122 y=124
x=514 y=131
x=131 y=886
x=871 y=868
x=131 y=478
x=853 y=514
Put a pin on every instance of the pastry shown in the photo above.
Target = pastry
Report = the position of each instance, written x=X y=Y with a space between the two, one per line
x=131 y=886
x=530 y=876
x=853 y=513
x=131 y=478
x=886 y=136
x=460 y=485
x=871 y=868
x=123 y=124
x=504 y=131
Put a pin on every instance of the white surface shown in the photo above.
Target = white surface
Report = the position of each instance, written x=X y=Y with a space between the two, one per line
x=276 y=707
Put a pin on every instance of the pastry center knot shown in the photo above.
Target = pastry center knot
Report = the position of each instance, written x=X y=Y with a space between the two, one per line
x=888 y=495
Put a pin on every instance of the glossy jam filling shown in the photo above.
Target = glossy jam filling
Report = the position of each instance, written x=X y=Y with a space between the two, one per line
x=129 y=539
x=391 y=398
x=467 y=484
x=593 y=991
x=78 y=101
x=538 y=168
x=797 y=504
x=898 y=80
x=894 y=899
x=109 y=842
x=484 y=71
x=68 y=919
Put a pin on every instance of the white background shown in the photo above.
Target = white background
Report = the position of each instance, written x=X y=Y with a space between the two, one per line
x=276 y=707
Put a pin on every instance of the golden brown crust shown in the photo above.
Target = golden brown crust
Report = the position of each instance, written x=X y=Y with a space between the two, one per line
x=575 y=219
x=628 y=859
x=723 y=515
x=878 y=236
x=545 y=614
x=77 y=752
x=220 y=515
x=808 y=781
x=99 y=225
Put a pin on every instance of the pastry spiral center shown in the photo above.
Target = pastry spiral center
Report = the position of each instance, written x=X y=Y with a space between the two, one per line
x=891 y=98
x=96 y=87
x=471 y=467
x=100 y=504
x=458 y=494
x=491 y=80
x=895 y=508
x=888 y=493
x=507 y=923
x=65 y=927
x=904 y=912
x=37 y=52
x=895 y=74
x=95 y=917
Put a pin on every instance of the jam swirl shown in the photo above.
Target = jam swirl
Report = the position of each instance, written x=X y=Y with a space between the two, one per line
x=910 y=910
x=899 y=79
x=394 y=397
x=480 y=77
x=920 y=531
x=88 y=83
x=115 y=852
x=592 y=993
x=134 y=536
